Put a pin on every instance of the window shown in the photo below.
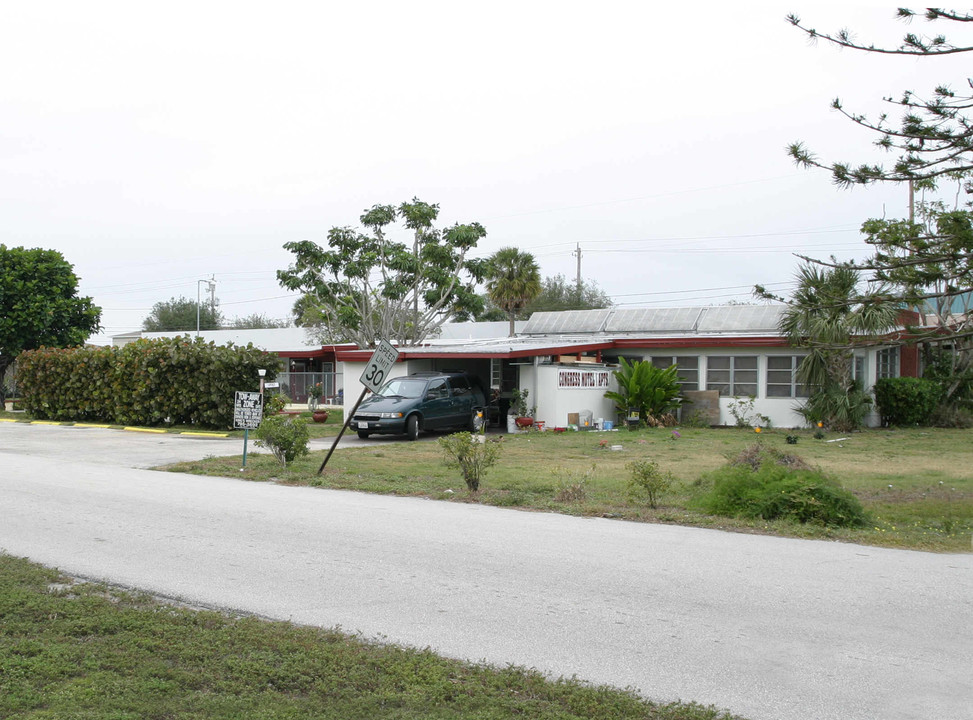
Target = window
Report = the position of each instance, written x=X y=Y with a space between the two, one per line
x=460 y=385
x=437 y=389
x=687 y=367
x=732 y=374
x=858 y=369
x=496 y=373
x=782 y=377
x=887 y=363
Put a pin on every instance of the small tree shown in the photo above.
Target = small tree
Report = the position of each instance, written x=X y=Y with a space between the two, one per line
x=179 y=314
x=647 y=482
x=557 y=294
x=365 y=287
x=285 y=436
x=39 y=304
x=466 y=451
x=513 y=281
x=257 y=321
x=654 y=392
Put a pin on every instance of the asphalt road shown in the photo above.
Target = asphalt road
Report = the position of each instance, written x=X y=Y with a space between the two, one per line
x=770 y=628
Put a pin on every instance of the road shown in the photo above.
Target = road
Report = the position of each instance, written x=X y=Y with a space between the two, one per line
x=770 y=628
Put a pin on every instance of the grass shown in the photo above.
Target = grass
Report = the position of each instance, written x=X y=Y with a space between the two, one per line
x=85 y=651
x=915 y=484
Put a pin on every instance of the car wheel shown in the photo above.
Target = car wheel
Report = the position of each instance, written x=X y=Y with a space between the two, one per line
x=363 y=434
x=412 y=427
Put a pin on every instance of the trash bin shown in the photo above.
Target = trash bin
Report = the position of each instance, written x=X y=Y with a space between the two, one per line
x=633 y=418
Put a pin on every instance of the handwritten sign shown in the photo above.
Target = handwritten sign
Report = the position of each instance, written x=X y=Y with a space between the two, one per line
x=248 y=410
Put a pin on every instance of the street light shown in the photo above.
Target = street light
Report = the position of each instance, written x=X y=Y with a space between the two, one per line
x=211 y=285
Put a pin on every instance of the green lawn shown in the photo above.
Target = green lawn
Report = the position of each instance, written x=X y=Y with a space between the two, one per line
x=87 y=651
x=916 y=484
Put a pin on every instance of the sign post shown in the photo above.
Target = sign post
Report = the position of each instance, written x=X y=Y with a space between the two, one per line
x=376 y=371
x=248 y=411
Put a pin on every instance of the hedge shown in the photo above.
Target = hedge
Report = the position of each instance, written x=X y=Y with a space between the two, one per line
x=906 y=400
x=165 y=381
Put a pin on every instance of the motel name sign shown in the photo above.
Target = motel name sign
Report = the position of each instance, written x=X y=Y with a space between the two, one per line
x=569 y=379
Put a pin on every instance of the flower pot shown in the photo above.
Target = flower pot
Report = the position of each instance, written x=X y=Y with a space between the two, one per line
x=524 y=422
x=320 y=416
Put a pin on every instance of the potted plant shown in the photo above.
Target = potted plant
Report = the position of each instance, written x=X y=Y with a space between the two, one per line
x=314 y=395
x=523 y=413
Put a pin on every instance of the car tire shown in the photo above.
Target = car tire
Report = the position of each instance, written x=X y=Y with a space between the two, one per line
x=363 y=434
x=412 y=427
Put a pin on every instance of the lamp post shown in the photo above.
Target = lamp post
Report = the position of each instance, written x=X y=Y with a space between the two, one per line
x=262 y=373
x=199 y=283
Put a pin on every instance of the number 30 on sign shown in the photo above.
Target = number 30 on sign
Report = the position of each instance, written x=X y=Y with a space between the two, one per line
x=378 y=366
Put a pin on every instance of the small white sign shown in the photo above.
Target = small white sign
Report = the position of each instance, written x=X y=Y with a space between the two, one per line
x=378 y=366
x=272 y=385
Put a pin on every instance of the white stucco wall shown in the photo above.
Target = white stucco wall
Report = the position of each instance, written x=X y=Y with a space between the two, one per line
x=554 y=403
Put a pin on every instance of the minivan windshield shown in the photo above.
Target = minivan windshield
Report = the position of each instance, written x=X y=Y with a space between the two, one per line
x=403 y=387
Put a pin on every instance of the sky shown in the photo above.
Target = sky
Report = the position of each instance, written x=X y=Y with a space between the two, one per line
x=159 y=144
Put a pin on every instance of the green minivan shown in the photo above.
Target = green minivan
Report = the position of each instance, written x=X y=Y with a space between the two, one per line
x=420 y=402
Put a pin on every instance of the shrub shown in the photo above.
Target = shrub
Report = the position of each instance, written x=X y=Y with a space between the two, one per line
x=756 y=454
x=571 y=486
x=653 y=391
x=839 y=408
x=907 y=400
x=774 y=492
x=647 y=482
x=286 y=437
x=148 y=382
x=466 y=451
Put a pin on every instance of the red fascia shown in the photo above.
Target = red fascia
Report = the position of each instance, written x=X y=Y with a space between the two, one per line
x=406 y=354
x=701 y=342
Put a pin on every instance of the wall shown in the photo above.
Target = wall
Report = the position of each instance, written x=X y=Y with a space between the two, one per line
x=554 y=403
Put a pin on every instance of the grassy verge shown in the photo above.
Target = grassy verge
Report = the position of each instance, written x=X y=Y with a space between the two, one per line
x=916 y=484
x=84 y=651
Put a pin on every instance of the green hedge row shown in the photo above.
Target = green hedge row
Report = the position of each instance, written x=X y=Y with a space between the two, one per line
x=905 y=401
x=168 y=381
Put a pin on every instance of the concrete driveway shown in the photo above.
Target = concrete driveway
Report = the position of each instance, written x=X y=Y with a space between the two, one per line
x=768 y=627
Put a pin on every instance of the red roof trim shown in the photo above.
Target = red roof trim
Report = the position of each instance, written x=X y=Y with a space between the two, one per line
x=305 y=353
x=702 y=342
x=618 y=343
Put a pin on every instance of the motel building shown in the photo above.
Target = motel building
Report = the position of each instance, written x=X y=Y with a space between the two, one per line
x=565 y=360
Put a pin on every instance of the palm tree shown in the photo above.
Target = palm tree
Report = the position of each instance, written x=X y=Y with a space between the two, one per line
x=829 y=316
x=513 y=280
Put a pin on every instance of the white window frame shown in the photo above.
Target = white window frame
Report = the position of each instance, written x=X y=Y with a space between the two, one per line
x=795 y=389
x=686 y=383
x=734 y=381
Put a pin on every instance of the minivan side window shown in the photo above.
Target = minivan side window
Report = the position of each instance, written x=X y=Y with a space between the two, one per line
x=437 y=389
x=460 y=385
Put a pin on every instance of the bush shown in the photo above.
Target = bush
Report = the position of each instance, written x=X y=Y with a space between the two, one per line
x=571 y=486
x=286 y=437
x=168 y=381
x=647 y=482
x=839 y=408
x=907 y=400
x=466 y=451
x=775 y=492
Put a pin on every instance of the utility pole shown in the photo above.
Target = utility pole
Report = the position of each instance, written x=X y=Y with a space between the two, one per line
x=912 y=201
x=577 y=252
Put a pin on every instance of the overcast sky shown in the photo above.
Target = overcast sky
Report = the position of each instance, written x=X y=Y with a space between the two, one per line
x=159 y=144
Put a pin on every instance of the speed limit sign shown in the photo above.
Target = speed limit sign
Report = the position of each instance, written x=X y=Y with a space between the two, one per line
x=378 y=366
